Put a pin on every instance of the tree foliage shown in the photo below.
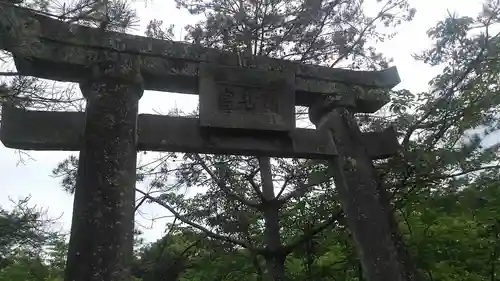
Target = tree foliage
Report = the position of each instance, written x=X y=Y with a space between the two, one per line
x=250 y=201
x=30 y=249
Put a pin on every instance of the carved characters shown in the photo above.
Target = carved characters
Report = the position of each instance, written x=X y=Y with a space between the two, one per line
x=226 y=97
x=239 y=99
x=246 y=99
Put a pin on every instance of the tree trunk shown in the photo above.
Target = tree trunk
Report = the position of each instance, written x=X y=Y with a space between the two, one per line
x=258 y=269
x=275 y=257
x=275 y=264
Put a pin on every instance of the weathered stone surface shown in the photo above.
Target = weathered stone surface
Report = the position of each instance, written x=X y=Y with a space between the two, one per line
x=357 y=185
x=66 y=50
x=101 y=242
x=155 y=133
x=42 y=130
x=239 y=98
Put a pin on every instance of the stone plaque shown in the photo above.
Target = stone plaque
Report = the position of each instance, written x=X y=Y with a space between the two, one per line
x=245 y=98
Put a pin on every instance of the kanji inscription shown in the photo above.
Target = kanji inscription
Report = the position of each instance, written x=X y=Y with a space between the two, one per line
x=244 y=98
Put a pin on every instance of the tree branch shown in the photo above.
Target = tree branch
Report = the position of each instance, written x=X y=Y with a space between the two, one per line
x=179 y=257
x=447 y=176
x=143 y=199
x=197 y=226
x=319 y=228
x=362 y=34
x=472 y=66
x=254 y=185
x=320 y=29
x=299 y=191
x=282 y=189
x=223 y=185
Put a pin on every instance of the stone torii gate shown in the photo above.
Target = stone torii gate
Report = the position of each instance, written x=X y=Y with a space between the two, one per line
x=243 y=111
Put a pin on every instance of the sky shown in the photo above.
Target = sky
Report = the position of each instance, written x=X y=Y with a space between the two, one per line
x=33 y=178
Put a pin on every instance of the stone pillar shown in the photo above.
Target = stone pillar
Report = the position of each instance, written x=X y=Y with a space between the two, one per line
x=357 y=185
x=101 y=243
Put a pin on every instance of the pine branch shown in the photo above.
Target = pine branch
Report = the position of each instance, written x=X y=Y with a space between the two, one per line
x=197 y=226
x=298 y=192
x=450 y=91
x=308 y=235
x=362 y=34
x=282 y=189
x=222 y=185
x=250 y=179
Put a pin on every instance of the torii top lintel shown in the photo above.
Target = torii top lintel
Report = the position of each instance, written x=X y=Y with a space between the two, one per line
x=53 y=49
